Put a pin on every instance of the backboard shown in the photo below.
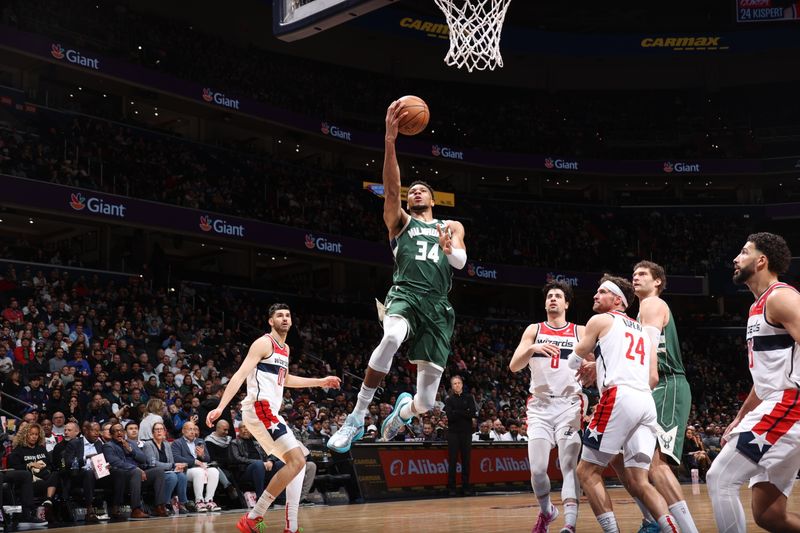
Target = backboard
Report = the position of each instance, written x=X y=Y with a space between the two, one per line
x=297 y=19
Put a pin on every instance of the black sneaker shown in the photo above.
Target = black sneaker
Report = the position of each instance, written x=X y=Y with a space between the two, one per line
x=191 y=506
x=33 y=521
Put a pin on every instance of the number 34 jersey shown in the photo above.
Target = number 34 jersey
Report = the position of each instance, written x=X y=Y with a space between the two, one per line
x=551 y=375
x=623 y=355
x=265 y=381
x=419 y=263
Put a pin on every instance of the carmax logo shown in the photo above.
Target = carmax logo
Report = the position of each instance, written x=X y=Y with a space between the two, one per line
x=73 y=56
x=710 y=42
x=218 y=225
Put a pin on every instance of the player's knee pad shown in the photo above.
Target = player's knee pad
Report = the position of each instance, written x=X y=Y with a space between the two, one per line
x=395 y=329
x=428 y=378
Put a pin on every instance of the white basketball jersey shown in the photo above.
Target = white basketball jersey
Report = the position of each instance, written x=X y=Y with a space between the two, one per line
x=774 y=356
x=623 y=355
x=551 y=375
x=265 y=381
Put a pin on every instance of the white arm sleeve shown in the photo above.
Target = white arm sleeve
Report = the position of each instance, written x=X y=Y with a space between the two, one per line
x=458 y=258
x=654 y=333
x=574 y=361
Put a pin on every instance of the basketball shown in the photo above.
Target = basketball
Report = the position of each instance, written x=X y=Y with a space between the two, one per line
x=418 y=115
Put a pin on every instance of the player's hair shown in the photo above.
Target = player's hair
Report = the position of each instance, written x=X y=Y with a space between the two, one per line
x=624 y=285
x=563 y=286
x=775 y=248
x=423 y=183
x=274 y=308
x=656 y=270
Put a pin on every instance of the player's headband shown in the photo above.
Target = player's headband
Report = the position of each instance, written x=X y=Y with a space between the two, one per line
x=613 y=287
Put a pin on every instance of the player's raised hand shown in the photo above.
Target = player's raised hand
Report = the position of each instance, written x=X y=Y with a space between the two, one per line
x=394 y=114
x=212 y=417
x=445 y=237
x=330 y=382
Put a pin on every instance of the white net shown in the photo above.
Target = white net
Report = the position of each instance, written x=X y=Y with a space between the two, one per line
x=475 y=29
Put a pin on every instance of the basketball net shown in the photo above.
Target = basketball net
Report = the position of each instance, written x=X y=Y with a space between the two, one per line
x=475 y=28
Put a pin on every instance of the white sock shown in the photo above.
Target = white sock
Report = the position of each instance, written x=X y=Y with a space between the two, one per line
x=262 y=505
x=406 y=412
x=645 y=512
x=680 y=511
x=365 y=396
x=293 y=490
x=544 y=503
x=608 y=522
x=667 y=524
x=570 y=514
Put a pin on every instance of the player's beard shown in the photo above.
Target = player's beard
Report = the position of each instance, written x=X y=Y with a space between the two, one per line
x=420 y=208
x=745 y=273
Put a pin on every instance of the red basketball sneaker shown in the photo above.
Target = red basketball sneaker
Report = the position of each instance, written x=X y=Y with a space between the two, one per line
x=251 y=525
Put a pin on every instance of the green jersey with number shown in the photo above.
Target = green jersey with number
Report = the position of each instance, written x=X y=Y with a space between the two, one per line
x=419 y=262
x=670 y=360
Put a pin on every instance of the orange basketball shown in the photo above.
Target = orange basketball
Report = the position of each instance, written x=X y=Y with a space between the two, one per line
x=417 y=118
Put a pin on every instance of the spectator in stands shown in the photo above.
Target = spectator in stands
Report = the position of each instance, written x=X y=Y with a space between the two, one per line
x=73 y=410
x=155 y=409
x=57 y=362
x=513 y=431
x=21 y=482
x=39 y=365
x=712 y=441
x=50 y=440
x=71 y=431
x=694 y=454
x=33 y=393
x=251 y=461
x=499 y=432
x=99 y=409
x=218 y=443
x=129 y=468
x=76 y=462
x=132 y=434
x=59 y=422
x=29 y=453
x=484 y=432
x=211 y=403
x=192 y=451
x=159 y=453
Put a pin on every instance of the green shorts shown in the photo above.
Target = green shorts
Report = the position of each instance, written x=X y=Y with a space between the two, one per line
x=673 y=399
x=430 y=321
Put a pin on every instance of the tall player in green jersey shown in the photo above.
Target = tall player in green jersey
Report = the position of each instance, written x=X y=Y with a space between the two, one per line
x=672 y=395
x=417 y=310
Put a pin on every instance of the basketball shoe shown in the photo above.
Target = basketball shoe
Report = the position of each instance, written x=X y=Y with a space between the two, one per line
x=394 y=421
x=351 y=431
x=251 y=525
x=649 y=527
x=544 y=520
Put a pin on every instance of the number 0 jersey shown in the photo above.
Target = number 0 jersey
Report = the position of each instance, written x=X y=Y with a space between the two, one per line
x=623 y=355
x=773 y=353
x=265 y=382
x=551 y=375
x=419 y=263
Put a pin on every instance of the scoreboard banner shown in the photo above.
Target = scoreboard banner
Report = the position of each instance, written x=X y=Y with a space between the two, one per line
x=766 y=10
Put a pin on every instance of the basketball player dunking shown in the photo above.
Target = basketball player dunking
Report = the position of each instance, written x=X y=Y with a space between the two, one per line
x=672 y=396
x=625 y=418
x=764 y=439
x=417 y=309
x=555 y=406
x=266 y=369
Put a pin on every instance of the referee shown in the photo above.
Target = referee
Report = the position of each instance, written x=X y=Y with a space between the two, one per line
x=460 y=410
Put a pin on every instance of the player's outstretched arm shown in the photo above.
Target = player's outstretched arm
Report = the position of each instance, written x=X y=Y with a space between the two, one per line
x=393 y=215
x=260 y=347
x=297 y=382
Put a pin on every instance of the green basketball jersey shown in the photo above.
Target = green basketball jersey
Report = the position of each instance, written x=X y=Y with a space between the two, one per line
x=670 y=360
x=669 y=350
x=419 y=262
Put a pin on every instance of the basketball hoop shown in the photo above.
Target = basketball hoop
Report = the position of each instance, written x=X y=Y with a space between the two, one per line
x=475 y=28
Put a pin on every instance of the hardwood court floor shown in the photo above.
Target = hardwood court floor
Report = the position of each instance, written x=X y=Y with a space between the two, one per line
x=479 y=514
